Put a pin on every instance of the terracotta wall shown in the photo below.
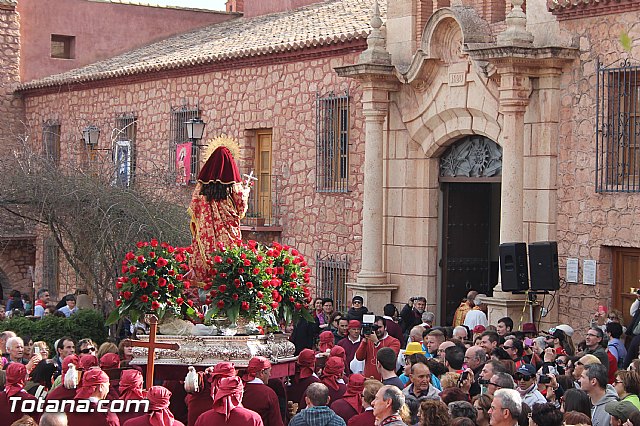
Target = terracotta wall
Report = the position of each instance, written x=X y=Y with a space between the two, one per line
x=11 y=108
x=590 y=223
x=16 y=257
x=280 y=97
x=101 y=30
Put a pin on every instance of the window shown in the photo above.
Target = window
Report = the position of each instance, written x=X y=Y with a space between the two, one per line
x=63 y=47
x=331 y=279
x=124 y=149
x=332 y=143
x=178 y=135
x=618 y=129
x=50 y=265
x=51 y=141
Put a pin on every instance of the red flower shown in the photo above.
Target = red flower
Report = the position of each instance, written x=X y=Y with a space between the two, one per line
x=130 y=256
x=190 y=302
x=259 y=258
x=127 y=295
x=276 y=282
x=179 y=277
x=292 y=299
x=256 y=271
x=154 y=242
x=170 y=287
x=222 y=288
x=229 y=260
x=132 y=269
x=155 y=294
x=223 y=275
x=266 y=283
x=207 y=286
x=124 y=269
x=171 y=272
x=249 y=284
x=151 y=272
x=179 y=258
x=187 y=284
x=259 y=295
x=207 y=301
x=152 y=254
x=286 y=261
x=179 y=300
x=143 y=284
x=298 y=306
x=217 y=259
x=247 y=262
x=155 y=305
x=184 y=266
x=220 y=304
x=144 y=298
x=213 y=293
x=270 y=252
x=243 y=256
x=220 y=245
x=236 y=282
x=252 y=244
x=294 y=252
x=140 y=244
x=234 y=296
x=135 y=280
x=140 y=259
x=293 y=275
x=294 y=285
x=162 y=262
x=241 y=270
x=170 y=249
x=274 y=294
x=162 y=282
x=245 y=306
x=280 y=270
x=118 y=285
x=118 y=302
x=274 y=305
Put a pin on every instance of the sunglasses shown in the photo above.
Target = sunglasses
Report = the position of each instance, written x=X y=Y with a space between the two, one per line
x=507 y=347
x=522 y=377
x=88 y=350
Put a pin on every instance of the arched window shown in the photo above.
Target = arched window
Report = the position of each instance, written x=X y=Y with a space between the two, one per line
x=472 y=156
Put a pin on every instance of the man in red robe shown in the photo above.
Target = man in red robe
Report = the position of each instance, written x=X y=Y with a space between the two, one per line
x=351 y=343
x=130 y=388
x=67 y=389
x=258 y=396
x=94 y=387
x=332 y=378
x=159 y=413
x=227 y=408
x=14 y=395
x=366 y=418
x=305 y=375
x=209 y=380
x=351 y=402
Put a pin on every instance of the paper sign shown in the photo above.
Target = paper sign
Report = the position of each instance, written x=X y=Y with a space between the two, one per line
x=572 y=270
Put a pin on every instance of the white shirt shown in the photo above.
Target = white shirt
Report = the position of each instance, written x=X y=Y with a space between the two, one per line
x=68 y=312
x=256 y=380
x=475 y=317
x=38 y=311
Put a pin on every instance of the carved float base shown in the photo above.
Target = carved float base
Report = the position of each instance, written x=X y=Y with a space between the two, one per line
x=206 y=351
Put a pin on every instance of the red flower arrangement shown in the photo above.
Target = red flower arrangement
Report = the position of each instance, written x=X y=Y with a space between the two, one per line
x=152 y=282
x=258 y=283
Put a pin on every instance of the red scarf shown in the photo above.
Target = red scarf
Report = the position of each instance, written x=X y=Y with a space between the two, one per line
x=333 y=370
x=327 y=341
x=159 y=397
x=256 y=365
x=306 y=362
x=353 y=395
x=130 y=385
x=91 y=379
x=220 y=371
x=228 y=396
x=15 y=377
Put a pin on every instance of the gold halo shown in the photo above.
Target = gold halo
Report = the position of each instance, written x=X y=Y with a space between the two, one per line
x=222 y=140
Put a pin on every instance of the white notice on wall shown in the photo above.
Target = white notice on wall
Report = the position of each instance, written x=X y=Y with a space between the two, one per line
x=589 y=272
x=572 y=270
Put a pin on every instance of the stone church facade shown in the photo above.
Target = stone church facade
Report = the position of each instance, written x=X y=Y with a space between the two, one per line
x=471 y=123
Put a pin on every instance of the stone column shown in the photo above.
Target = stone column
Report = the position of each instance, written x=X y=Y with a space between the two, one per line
x=376 y=74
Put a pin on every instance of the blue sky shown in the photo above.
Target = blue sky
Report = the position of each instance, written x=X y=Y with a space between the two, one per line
x=200 y=4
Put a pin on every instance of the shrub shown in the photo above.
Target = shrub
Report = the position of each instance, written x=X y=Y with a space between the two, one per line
x=86 y=323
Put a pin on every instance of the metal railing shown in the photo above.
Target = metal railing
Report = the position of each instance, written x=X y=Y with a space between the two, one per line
x=264 y=206
x=332 y=143
x=332 y=271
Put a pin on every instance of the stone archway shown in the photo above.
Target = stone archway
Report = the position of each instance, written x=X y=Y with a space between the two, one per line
x=469 y=175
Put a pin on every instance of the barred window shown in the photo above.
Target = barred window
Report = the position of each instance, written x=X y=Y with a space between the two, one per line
x=618 y=128
x=331 y=279
x=124 y=154
x=51 y=264
x=51 y=141
x=178 y=135
x=332 y=143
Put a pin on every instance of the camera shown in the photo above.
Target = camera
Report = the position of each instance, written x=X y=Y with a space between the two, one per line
x=483 y=382
x=545 y=380
x=464 y=376
x=369 y=324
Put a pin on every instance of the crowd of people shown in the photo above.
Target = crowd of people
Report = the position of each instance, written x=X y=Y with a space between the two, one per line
x=356 y=369
x=20 y=304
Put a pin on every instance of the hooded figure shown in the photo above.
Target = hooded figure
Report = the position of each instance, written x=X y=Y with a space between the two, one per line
x=94 y=384
x=159 y=413
x=67 y=390
x=351 y=402
x=218 y=203
x=16 y=374
x=130 y=388
x=305 y=375
x=227 y=406
x=202 y=400
x=258 y=396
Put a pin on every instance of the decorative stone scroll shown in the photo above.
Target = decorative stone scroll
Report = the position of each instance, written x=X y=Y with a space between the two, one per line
x=472 y=156
x=210 y=350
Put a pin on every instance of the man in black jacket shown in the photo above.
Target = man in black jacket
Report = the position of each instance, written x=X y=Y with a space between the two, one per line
x=411 y=313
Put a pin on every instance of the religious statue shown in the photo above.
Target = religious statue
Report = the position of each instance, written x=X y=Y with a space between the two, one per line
x=218 y=203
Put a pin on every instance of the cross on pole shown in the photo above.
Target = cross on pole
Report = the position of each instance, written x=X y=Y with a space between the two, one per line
x=151 y=345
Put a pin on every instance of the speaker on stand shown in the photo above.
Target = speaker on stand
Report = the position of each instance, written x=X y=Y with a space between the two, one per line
x=514 y=268
x=543 y=266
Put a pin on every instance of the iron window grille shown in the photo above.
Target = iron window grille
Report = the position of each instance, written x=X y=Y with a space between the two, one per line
x=331 y=279
x=178 y=135
x=124 y=150
x=332 y=143
x=618 y=128
x=51 y=141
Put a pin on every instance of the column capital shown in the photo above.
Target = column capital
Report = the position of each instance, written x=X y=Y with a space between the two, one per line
x=377 y=111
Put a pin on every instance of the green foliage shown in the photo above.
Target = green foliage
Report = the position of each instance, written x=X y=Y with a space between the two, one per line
x=86 y=323
x=626 y=41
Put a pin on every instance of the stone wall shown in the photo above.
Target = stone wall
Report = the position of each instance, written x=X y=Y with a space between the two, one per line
x=279 y=96
x=590 y=223
x=11 y=108
x=16 y=258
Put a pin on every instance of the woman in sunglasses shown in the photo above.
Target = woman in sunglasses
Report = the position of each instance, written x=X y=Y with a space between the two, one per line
x=527 y=385
x=87 y=346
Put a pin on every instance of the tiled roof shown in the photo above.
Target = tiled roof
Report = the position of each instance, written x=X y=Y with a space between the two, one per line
x=318 y=24
x=569 y=4
x=138 y=3
x=8 y=2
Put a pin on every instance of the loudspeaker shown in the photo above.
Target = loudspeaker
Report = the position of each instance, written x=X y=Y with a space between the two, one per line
x=514 y=269
x=543 y=266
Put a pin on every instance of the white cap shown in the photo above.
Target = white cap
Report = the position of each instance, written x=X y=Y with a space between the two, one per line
x=568 y=330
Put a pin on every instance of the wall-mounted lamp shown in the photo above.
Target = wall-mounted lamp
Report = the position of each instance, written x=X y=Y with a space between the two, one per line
x=195 y=130
x=90 y=135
